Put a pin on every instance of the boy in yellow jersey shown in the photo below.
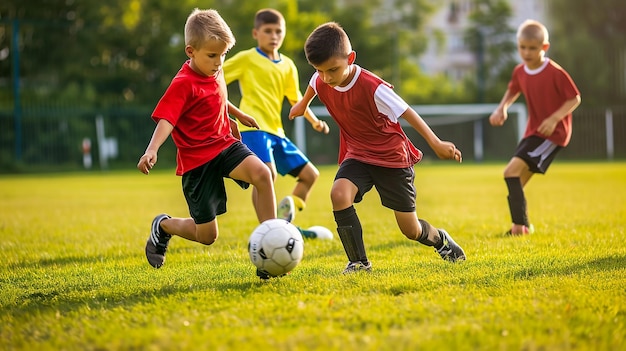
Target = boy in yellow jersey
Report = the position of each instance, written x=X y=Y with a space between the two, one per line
x=266 y=78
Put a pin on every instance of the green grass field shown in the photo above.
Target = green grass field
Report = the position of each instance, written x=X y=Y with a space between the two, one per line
x=74 y=275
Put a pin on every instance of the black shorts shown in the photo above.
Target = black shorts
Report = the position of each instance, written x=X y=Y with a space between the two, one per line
x=204 y=186
x=537 y=152
x=394 y=185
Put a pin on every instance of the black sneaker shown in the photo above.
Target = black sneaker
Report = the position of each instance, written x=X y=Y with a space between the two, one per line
x=157 y=242
x=450 y=251
x=262 y=274
x=265 y=276
x=354 y=267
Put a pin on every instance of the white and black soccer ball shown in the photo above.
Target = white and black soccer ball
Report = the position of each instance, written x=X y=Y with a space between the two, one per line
x=276 y=247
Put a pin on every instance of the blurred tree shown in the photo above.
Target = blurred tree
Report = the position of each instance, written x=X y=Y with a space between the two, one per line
x=590 y=43
x=489 y=37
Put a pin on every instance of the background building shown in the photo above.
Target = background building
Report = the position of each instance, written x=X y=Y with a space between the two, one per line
x=448 y=52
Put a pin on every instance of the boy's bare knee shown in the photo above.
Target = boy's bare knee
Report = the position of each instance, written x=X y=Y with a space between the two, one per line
x=207 y=239
x=412 y=235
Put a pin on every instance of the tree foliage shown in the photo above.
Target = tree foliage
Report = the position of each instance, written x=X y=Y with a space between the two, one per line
x=588 y=38
x=96 y=51
x=489 y=37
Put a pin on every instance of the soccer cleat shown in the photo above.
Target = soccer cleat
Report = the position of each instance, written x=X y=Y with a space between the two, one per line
x=450 y=251
x=286 y=209
x=525 y=231
x=354 y=267
x=265 y=276
x=262 y=274
x=308 y=234
x=157 y=242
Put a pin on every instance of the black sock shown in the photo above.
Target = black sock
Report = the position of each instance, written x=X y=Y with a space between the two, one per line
x=517 y=201
x=349 y=225
x=423 y=238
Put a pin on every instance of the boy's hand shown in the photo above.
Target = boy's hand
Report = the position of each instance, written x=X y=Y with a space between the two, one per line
x=498 y=117
x=146 y=162
x=234 y=129
x=447 y=151
x=321 y=127
x=546 y=128
x=248 y=121
x=297 y=109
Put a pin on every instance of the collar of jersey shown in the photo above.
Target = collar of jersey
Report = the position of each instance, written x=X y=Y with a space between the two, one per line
x=357 y=72
x=264 y=54
x=538 y=70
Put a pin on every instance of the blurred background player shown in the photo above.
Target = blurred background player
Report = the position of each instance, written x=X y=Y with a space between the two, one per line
x=551 y=96
x=266 y=77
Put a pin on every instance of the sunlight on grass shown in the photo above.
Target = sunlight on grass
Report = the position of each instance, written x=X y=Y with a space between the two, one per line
x=74 y=275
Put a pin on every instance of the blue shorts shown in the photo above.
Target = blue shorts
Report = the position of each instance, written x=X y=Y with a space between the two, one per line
x=279 y=151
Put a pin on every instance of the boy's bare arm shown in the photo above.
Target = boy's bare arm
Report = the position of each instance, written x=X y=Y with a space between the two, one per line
x=549 y=124
x=318 y=124
x=149 y=158
x=300 y=108
x=243 y=117
x=443 y=149
x=499 y=116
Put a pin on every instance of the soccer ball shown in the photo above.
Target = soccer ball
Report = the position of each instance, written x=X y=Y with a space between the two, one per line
x=276 y=247
x=321 y=232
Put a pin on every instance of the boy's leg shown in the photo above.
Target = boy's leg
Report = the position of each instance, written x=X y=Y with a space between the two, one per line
x=425 y=233
x=255 y=172
x=306 y=176
x=305 y=180
x=351 y=236
x=164 y=227
x=516 y=175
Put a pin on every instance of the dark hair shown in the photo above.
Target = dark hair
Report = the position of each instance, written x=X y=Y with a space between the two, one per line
x=326 y=41
x=267 y=16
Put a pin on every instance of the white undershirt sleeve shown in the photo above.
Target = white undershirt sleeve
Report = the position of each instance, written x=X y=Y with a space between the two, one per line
x=389 y=103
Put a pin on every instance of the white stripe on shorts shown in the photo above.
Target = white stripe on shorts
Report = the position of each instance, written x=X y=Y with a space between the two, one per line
x=544 y=150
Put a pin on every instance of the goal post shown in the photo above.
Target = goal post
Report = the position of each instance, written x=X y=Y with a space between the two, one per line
x=438 y=115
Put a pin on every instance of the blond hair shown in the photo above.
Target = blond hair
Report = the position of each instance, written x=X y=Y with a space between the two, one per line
x=533 y=30
x=205 y=25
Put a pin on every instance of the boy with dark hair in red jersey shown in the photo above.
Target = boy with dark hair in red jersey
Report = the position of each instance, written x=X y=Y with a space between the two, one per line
x=194 y=110
x=551 y=96
x=374 y=150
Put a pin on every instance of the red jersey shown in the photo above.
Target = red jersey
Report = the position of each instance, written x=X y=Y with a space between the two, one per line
x=367 y=112
x=545 y=89
x=196 y=106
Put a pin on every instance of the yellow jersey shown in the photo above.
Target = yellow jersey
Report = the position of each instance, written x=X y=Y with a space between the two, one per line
x=264 y=84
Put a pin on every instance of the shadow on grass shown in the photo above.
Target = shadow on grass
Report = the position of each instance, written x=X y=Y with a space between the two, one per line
x=106 y=295
x=601 y=264
x=70 y=260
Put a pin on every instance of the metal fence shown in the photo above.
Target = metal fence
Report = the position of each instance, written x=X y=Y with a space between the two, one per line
x=53 y=137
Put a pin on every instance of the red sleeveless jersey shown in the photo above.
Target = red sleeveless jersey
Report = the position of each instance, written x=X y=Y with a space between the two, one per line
x=367 y=134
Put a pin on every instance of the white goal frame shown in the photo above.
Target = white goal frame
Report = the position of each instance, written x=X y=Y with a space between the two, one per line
x=437 y=115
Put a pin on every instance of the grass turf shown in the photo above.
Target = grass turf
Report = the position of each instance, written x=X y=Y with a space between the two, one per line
x=74 y=276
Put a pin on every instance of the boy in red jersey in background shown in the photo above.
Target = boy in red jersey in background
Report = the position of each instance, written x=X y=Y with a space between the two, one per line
x=551 y=96
x=374 y=150
x=266 y=78
x=194 y=110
